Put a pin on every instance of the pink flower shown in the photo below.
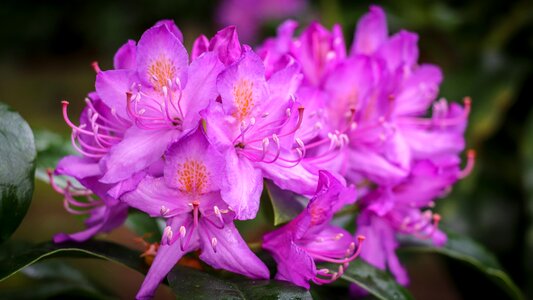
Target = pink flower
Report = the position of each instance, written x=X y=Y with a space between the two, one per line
x=310 y=238
x=188 y=196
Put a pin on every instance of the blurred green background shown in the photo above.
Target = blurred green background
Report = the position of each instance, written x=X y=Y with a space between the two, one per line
x=485 y=48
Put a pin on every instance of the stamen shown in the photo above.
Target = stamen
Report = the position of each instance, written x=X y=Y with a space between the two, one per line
x=471 y=159
x=164 y=210
x=96 y=67
x=214 y=243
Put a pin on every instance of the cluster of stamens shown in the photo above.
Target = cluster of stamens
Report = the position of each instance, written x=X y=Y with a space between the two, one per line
x=325 y=276
x=71 y=204
x=153 y=111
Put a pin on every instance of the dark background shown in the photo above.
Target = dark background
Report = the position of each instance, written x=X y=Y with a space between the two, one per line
x=485 y=48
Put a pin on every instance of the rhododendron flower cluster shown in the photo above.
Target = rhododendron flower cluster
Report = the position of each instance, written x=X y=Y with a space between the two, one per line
x=191 y=138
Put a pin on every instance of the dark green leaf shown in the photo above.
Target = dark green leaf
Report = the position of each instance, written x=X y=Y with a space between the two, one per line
x=376 y=282
x=285 y=204
x=17 y=165
x=467 y=250
x=14 y=257
x=144 y=226
x=53 y=279
x=189 y=283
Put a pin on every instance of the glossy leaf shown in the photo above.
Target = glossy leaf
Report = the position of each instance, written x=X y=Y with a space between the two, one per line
x=375 y=281
x=17 y=165
x=465 y=249
x=285 y=204
x=55 y=279
x=189 y=283
x=16 y=256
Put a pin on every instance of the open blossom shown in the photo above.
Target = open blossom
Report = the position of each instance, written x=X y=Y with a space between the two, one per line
x=253 y=126
x=99 y=130
x=310 y=238
x=370 y=103
x=188 y=197
x=387 y=211
x=161 y=94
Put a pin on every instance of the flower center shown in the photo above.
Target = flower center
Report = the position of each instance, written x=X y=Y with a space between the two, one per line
x=161 y=71
x=243 y=93
x=192 y=176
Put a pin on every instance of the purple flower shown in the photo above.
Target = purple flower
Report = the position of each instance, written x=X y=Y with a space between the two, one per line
x=225 y=44
x=309 y=238
x=160 y=93
x=253 y=127
x=188 y=196
x=387 y=211
x=99 y=130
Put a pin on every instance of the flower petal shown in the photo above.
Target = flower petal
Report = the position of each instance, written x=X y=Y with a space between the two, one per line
x=232 y=252
x=371 y=32
x=167 y=256
x=418 y=91
x=294 y=263
x=112 y=87
x=138 y=150
x=226 y=44
x=242 y=186
x=125 y=58
x=201 y=87
x=103 y=219
x=243 y=87
x=152 y=194
x=161 y=57
x=77 y=167
x=193 y=165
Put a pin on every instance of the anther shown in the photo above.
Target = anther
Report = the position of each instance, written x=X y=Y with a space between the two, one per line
x=183 y=231
x=164 y=210
x=96 y=67
x=167 y=235
x=214 y=243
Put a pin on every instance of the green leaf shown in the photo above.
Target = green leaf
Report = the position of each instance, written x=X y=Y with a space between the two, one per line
x=51 y=147
x=144 y=226
x=376 y=282
x=285 y=204
x=54 y=279
x=16 y=256
x=465 y=249
x=17 y=165
x=189 y=283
